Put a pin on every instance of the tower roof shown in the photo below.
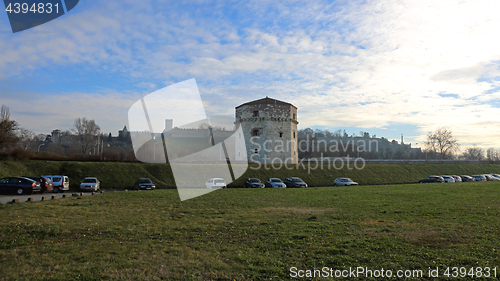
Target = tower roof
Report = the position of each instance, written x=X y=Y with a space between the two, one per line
x=267 y=100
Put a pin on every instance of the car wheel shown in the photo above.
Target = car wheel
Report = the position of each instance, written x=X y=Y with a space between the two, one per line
x=19 y=191
x=42 y=191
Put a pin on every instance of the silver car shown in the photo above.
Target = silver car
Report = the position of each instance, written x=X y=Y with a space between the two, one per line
x=274 y=183
x=448 y=178
x=90 y=184
x=344 y=182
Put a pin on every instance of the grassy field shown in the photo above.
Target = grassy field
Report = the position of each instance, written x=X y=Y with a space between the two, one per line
x=252 y=234
x=119 y=175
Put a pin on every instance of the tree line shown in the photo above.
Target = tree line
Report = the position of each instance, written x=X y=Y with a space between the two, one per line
x=84 y=138
x=439 y=144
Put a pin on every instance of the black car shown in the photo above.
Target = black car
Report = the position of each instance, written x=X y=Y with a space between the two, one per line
x=253 y=183
x=144 y=184
x=467 y=178
x=293 y=182
x=19 y=185
x=431 y=179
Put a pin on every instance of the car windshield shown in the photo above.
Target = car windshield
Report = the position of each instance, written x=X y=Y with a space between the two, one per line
x=144 y=181
x=56 y=179
x=346 y=180
x=275 y=180
x=297 y=180
x=253 y=180
x=219 y=181
x=89 y=180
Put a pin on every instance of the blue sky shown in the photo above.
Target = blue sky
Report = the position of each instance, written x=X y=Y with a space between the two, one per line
x=386 y=67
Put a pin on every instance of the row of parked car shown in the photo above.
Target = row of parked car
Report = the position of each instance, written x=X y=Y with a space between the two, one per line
x=464 y=178
x=41 y=184
x=289 y=182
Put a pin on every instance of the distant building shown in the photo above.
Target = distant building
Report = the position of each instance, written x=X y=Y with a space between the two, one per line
x=124 y=134
x=56 y=136
x=169 y=124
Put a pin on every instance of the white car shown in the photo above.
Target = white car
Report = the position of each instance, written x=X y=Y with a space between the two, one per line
x=457 y=178
x=344 y=182
x=60 y=183
x=90 y=184
x=215 y=183
x=448 y=178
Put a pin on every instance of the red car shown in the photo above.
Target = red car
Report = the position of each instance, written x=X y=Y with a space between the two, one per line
x=45 y=183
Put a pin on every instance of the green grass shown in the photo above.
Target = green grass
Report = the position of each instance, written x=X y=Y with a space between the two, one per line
x=119 y=175
x=251 y=234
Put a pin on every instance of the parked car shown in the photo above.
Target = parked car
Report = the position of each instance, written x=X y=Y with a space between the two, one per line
x=19 y=185
x=253 y=183
x=448 y=178
x=457 y=178
x=45 y=183
x=215 y=183
x=344 y=182
x=479 y=177
x=496 y=175
x=292 y=182
x=60 y=183
x=430 y=179
x=488 y=177
x=467 y=178
x=274 y=183
x=491 y=177
x=144 y=184
x=90 y=184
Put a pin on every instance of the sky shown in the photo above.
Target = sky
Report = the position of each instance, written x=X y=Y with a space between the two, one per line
x=385 y=67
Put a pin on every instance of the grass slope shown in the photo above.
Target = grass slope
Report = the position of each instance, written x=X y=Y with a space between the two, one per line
x=251 y=234
x=113 y=175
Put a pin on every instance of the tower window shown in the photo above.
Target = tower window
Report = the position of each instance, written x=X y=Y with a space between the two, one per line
x=256 y=113
x=294 y=116
x=294 y=134
x=256 y=150
x=255 y=132
x=281 y=134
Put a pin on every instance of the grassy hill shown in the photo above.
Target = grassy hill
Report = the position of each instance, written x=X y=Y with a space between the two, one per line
x=254 y=234
x=118 y=175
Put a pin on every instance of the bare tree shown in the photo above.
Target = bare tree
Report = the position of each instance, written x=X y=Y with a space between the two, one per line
x=8 y=129
x=474 y=153
x=86 y=132
x=492 y=154
x=26 y=138
x=442 y=143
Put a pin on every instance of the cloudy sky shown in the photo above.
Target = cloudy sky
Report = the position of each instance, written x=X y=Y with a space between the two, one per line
x=386 y=67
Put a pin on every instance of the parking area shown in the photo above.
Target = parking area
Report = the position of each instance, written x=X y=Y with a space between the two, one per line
x=4 y=199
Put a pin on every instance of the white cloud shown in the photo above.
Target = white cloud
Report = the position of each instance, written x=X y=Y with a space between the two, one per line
x=364 y=64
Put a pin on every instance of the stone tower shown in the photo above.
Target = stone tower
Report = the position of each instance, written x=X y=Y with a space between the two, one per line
x=270 y=131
